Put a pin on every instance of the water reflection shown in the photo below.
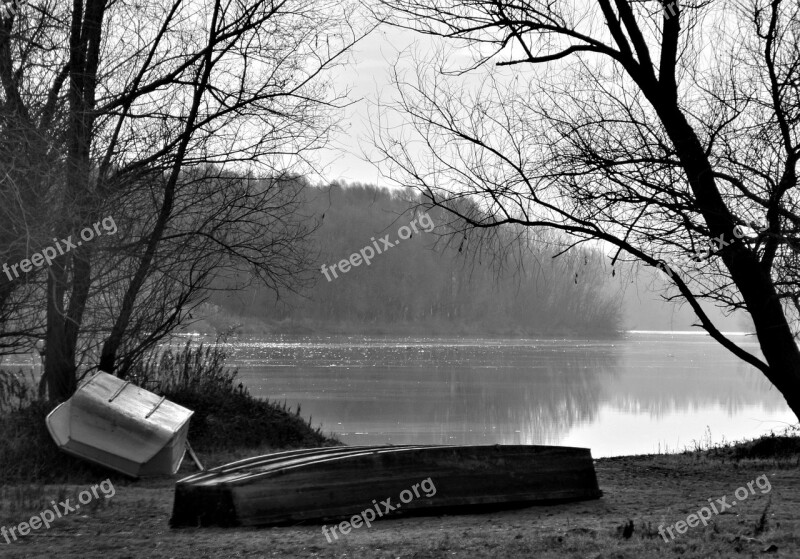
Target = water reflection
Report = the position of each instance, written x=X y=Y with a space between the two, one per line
x=480 y=391
x=638 y=394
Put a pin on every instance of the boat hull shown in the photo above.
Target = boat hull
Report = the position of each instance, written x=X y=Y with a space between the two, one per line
x=341 y=482
x=121 y=426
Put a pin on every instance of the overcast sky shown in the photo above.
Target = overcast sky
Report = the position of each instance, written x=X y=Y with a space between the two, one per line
x=366 y=75
x=369 y=78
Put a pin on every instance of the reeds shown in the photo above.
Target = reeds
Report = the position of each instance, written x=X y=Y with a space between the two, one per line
x=191 y=368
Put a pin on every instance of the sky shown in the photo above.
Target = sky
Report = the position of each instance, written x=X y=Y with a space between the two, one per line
x=368 y=77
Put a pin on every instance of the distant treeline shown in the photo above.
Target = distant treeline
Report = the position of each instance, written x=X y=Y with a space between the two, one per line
x=438 y=282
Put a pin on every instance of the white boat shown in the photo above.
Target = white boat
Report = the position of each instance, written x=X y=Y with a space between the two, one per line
x=119 y=425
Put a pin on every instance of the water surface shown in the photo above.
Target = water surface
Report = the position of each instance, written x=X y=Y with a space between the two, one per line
x=644 y=393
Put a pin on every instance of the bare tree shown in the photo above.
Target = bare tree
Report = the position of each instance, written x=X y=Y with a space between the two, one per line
x=660 y=128
x=240 y=229
x=117 y=101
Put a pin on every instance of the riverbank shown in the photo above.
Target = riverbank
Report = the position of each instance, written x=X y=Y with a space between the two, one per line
x=227 y=421
x=641 y=493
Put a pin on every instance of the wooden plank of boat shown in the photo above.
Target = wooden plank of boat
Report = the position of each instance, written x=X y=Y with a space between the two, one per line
x=338 y=482
x=121 y=426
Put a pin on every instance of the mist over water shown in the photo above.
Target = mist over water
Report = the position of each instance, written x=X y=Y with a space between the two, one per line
x=643 y=393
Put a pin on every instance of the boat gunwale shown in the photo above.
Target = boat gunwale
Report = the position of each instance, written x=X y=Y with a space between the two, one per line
x=231 y=466
x=275 y=469
x=257 y=461
x=300 y=462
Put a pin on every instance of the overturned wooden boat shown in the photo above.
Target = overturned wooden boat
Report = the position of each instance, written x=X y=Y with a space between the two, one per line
x=119 y=425
x=337 y=482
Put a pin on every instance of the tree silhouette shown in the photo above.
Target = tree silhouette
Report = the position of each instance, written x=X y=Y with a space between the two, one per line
x=658 y=128
x=133 y=108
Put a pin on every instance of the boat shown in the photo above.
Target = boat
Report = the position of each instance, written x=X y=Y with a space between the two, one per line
x=336 y=482
x=116 y=424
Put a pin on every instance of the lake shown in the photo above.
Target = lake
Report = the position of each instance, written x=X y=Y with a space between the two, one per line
x=647 y=392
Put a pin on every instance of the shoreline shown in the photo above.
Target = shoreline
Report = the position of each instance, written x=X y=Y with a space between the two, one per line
x=640 y=495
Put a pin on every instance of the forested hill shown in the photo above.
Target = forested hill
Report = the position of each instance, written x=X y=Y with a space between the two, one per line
x=423 y=284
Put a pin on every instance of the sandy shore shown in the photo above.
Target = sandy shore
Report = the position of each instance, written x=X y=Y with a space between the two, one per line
x=650 y=491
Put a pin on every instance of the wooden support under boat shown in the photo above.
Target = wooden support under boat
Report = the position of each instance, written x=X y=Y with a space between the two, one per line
x=338 y=482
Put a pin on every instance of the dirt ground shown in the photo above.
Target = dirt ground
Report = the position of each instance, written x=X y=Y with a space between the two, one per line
x=650 y=491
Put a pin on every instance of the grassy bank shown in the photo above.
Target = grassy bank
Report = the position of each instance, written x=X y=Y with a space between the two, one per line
x=227 y=423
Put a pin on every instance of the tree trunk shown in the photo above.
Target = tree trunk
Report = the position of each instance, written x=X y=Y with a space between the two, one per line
x=112 y=344
x=774 y=333
x=779 y=349
x=64 y=324
x=59 y=370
